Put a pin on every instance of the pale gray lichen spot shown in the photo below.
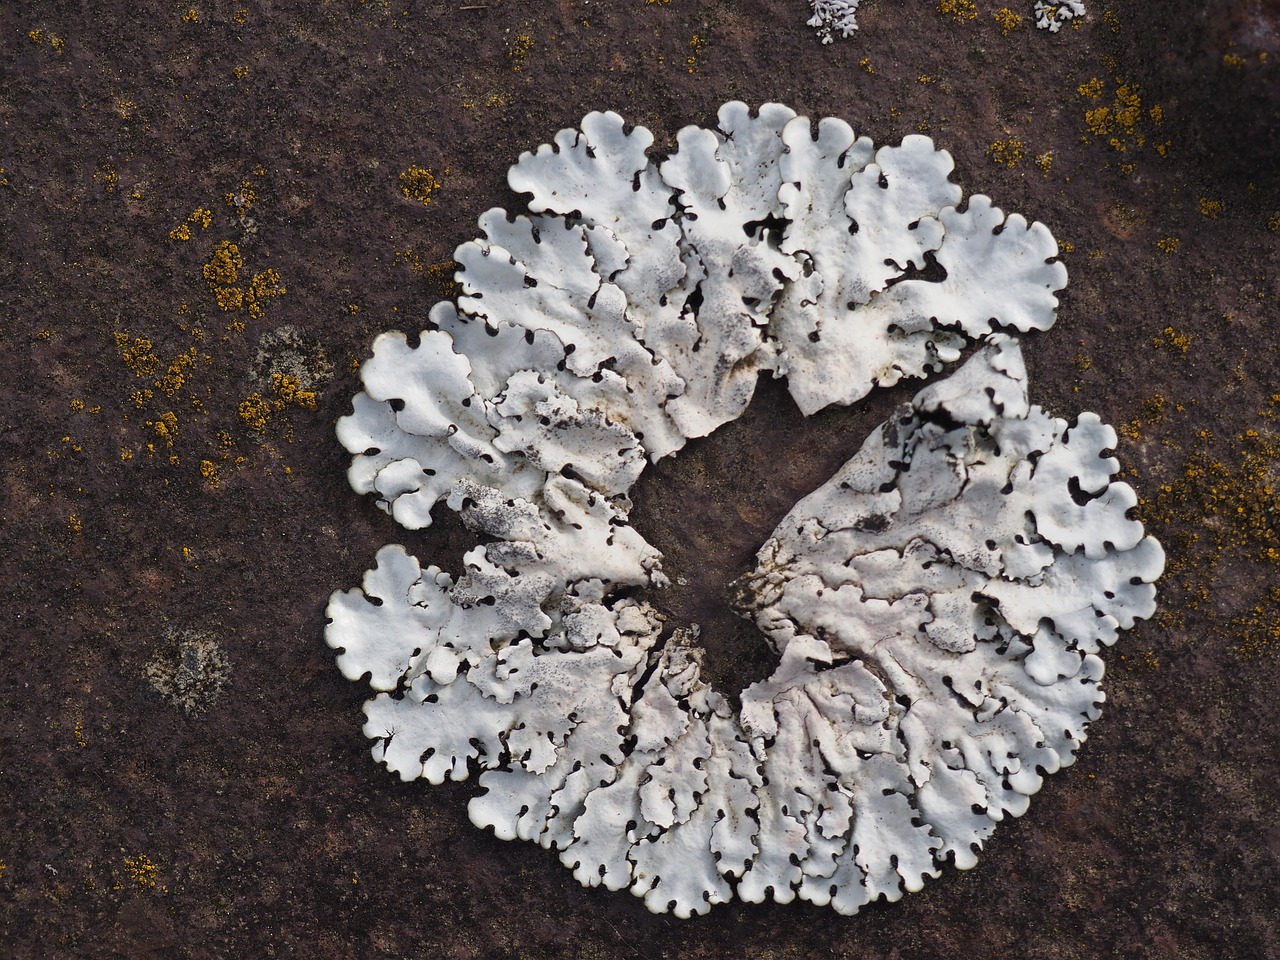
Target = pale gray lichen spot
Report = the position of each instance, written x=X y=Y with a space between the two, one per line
x=937 y=606
x=289 y=352
x=190 y=671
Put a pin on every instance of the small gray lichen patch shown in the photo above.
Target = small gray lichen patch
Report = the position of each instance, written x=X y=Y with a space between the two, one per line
x=288 y=352
x=190 y=671
x=937 y=606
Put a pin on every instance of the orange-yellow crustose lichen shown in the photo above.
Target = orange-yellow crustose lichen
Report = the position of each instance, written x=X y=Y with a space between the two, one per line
x=518 y=51
x=263 y=287
x=1222 y=510
x=419 y=183
x=1210 y=208
x=1122 y=123
x=241 y=200
x=141 y=871
x=1174 y=339
x=697 y=44
x=1007 y=19
x=198 y=217
x=222 y=272
x=165 y=427
x=1006 y=153
x=107 y=176
x=1169 y=245
x=958 y=10
x=38 y=36
x=257 y=410
x=209 y=471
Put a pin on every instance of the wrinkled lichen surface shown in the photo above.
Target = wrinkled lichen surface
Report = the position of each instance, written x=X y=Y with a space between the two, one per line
x=937 y=605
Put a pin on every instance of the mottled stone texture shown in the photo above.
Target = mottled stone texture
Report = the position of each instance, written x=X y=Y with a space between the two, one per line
x=260 y=820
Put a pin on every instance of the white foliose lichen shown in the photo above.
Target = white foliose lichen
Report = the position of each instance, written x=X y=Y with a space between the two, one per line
x=937 y=606
x=830 y=16
x=1052 y=15
x=837 y=16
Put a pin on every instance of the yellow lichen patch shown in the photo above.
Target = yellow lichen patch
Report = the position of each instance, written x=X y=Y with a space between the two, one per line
x=290 y=392
x=1092 y=89
x=1044 y=161
x=1006 y=153
x=256 y=410
x=1169 y=245
x=165 y=427
x=1210 y=208
x=697 y=44
x=518 y=51
x=176 y=375
x=418 y=183
x=1112 y=21
x=209 y=471
x=1221 y=511
x=74 y=526
x=191 y=16
x=1233 y=61
x=241 y=72
x=1147 y=659
x=442 y=275
x=1122 y=122
x=107 y=176
x=141 y=871
x=222 y=273
x=263 y=287
x=39 y=36
x=1273 y=223
x=865 y=64
x=1008 y=20
x=78 y=732
x=1083 y=362
x=223 y=268
x=1174 y=339
x=126 y=109
x=198 y=217
x=958 y=10
x=137 y=353
x=241 y=200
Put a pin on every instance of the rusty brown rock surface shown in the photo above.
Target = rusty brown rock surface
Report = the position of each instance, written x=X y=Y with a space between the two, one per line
x=174 y=501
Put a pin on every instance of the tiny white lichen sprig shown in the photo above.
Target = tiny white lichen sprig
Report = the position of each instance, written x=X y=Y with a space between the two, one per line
x=937 y=606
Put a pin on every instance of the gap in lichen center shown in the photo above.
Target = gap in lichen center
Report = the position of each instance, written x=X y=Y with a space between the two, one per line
x=712 y=506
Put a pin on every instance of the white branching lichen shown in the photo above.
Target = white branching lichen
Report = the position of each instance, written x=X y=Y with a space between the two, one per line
x=837 y=16
x=830 y=16
x=937 y=606
x=1051 y=16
